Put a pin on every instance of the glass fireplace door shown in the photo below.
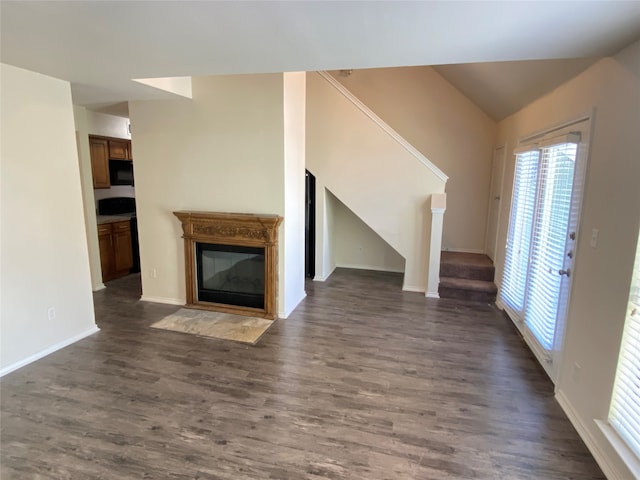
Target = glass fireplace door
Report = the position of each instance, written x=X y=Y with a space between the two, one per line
x=229 y=274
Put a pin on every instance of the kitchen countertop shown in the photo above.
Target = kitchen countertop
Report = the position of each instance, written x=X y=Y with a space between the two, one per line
x=102 y=219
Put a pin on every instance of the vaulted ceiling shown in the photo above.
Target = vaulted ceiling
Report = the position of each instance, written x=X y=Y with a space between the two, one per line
x=100 y=46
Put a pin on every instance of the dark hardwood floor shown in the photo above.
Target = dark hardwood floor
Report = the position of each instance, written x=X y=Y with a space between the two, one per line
x=362 y=381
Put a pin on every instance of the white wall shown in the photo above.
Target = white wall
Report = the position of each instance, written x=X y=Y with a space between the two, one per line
x=223 y=151
x=446 y=127
x=88 y=199
x=107 y=125
x=325 y=219
x=357 y=246
x=371 y=173
x=611 y=204
x=294 y=99
x=115 y=191
x=44 y=248
x=178 y=85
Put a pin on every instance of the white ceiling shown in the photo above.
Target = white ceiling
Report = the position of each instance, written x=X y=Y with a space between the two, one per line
x=101 y=46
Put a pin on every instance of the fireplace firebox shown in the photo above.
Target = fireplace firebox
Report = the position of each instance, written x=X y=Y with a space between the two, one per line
x=231 y=262
x=230 y=274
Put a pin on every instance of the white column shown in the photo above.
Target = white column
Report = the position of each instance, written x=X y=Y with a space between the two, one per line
x=438 y=207
x=292 y=285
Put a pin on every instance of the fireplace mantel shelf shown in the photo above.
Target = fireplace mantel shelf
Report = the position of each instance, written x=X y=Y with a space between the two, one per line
x=239 y=229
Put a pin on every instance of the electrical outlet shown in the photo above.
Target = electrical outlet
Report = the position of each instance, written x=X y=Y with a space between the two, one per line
x=577 y=368
x=153 y=273
x=51 y=313
x=594 y=237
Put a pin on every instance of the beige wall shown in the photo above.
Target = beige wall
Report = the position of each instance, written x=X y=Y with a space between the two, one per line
x=371 y=173
x=43 y=244
x=446 y=127
x=223 y=151
x=357 y=246
x=94 y=123
x=88 y=199
x=109 y=126
x=602 y=275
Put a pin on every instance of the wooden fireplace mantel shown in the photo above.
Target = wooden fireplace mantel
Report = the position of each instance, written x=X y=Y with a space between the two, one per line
x=242 y=229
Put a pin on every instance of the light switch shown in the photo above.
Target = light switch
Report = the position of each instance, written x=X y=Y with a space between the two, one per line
x=594 y=237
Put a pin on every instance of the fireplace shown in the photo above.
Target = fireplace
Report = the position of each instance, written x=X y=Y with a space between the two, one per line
x=231 y=262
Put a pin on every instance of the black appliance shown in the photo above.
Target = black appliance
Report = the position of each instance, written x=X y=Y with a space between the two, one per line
x=121 y=172
x=124 y=207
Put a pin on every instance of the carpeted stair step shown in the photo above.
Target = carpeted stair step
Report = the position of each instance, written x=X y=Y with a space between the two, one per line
x=473 y=266
x=466 y=289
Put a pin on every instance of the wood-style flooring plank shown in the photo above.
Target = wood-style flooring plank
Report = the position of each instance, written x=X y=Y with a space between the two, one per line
x=362 y=381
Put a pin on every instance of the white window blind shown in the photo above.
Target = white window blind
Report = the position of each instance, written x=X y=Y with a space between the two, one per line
x=514 y=278
x=543 y=201
x=548 y=240
x=624 y=415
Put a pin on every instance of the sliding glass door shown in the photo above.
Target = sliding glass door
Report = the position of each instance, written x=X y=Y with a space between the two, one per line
x=541 y=241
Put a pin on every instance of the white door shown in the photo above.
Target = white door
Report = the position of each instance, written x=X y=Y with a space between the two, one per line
x=536 y=284
x=552 y=245
x=495 y=189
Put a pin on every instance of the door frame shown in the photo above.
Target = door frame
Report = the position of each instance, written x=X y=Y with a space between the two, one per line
x=577 y=206
x=310 y=226
x=552 y=366
x=491 y=199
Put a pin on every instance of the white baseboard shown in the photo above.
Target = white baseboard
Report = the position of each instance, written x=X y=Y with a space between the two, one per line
x=432 y=295
x=168 y=301
x=609 y=470
x=48 y=351
x=285 y=314
x=464 y=250
x=98 y=287
x=369 y=267
x=320 y=278
x=413 y=288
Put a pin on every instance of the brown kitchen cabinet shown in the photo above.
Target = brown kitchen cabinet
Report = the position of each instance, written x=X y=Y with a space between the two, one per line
x=99 y=149
x=120 y=149
x=116 y=256
x=102 y=150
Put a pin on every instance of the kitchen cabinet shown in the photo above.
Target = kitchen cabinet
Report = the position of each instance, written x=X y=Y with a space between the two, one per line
x=99 y=149
x=102 y=150
x=116 y=256
x=119 y=149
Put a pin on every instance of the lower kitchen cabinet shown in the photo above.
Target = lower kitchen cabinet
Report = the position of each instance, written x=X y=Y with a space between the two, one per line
x=116 y=256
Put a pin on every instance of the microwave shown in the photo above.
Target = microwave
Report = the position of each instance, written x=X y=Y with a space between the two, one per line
x=121 y=172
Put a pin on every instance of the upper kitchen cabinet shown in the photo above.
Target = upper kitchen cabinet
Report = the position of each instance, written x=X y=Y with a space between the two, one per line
x=120 y=149
x=104 y=149
x=99 y=162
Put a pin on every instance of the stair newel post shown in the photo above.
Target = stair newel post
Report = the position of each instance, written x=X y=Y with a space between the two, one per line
x=438 y=207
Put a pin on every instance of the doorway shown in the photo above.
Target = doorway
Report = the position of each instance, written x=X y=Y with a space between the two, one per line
x=310 y=225
x=495 y=202
x=543 y=226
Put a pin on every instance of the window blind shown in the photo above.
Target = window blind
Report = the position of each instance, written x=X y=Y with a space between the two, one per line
x=624 y=415
x=542 y=205
x=548 y=240
x=514 y=277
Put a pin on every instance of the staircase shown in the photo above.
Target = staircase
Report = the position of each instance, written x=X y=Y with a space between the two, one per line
x=467 y=276
x=372 y=170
